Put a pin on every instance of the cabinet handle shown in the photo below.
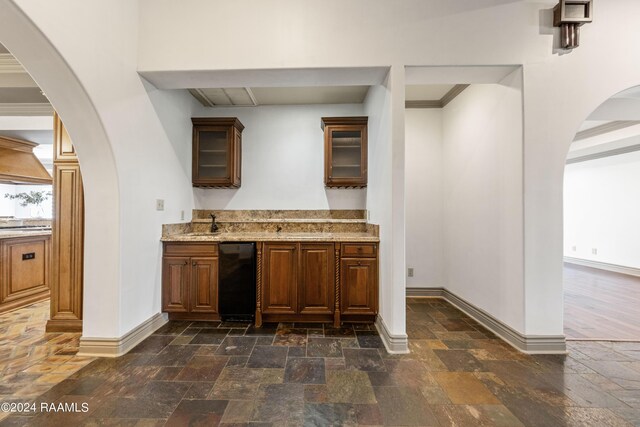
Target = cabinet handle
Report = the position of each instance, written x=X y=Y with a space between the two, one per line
x=193 y=263
x=186 y=262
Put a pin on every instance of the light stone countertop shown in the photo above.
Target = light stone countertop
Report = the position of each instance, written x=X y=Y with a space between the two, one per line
x=12 y=234
x=270 y=237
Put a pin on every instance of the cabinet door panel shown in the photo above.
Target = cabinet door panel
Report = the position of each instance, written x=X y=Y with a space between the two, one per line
x=280 y=278
x=175 y=288
x=316 y=283
x=204 y=285
x=358 y=278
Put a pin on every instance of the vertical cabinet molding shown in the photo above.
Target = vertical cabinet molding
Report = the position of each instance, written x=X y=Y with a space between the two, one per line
x=67 y=236
x=217 y=152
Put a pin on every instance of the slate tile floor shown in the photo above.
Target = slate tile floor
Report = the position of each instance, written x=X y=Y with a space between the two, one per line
x=457 y=374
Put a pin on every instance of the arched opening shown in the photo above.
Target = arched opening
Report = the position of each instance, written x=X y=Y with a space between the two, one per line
x=601 y=238
x=101 y=229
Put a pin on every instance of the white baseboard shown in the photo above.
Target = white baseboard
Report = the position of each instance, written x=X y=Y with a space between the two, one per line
x=395 y=344
x=115 y=347
x=530 y=344
x=631 y=271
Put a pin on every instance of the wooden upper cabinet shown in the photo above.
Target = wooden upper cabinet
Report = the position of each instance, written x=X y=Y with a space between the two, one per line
x=217 y=152
x=317 y=278
x=280 y=278
x=345 y=151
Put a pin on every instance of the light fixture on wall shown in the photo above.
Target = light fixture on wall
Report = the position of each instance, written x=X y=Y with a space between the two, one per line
x=570 y=15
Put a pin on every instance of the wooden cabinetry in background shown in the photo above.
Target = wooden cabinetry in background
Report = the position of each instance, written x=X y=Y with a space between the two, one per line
x=24 y=271
x=67 y=235
x=217 y=152
x=190 y=281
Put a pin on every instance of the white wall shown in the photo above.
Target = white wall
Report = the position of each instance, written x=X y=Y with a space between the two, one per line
x=483 y=213
x=423 y=138
x=282 y=160
x=601 y=210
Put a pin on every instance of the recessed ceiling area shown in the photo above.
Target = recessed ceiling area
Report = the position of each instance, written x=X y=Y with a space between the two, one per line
x=254 y=96
x=427 y=92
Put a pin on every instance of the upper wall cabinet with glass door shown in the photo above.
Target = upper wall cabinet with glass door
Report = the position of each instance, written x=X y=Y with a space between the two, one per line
x=345 y=151
x=217 y=151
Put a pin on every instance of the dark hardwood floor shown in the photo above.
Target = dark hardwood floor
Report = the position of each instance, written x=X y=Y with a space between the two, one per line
x=600 y=305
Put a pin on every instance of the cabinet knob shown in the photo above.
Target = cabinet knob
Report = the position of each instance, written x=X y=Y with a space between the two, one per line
x=193 y=263
x=186 y=262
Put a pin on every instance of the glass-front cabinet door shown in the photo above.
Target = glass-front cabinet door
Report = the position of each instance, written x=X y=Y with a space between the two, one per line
x=345 y=141
x=217 y=144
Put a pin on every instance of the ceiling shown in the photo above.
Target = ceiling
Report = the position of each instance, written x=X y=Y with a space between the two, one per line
x=19 y=94
x=254 y=96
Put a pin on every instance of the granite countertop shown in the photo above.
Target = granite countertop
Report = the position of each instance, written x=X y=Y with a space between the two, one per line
x=270 y=236
x=11 y=234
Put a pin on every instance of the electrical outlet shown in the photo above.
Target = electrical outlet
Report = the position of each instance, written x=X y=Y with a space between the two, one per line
x=182 y=215
x=159 y=204
x=573 y=248
x=594 y=251
x=410 y=271
x=368 y=215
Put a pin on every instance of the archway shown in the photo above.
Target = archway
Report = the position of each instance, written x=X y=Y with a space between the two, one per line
x=601 y=253
x=102 y=227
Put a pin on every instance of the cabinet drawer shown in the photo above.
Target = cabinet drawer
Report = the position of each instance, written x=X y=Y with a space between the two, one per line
x=190 y=249
x=367 y=250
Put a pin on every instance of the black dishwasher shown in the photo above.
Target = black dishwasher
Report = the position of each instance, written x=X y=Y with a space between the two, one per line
x=237 y=281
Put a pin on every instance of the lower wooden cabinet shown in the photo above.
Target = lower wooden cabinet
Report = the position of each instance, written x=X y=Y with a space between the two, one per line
x=359 y=285
x=190 y=281
x=299 y=279
x=24 y=271
x=303 y=282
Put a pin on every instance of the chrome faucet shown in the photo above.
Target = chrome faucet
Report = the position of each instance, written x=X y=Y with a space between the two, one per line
x=214 y=226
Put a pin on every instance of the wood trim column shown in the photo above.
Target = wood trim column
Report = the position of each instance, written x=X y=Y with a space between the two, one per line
x=259 y=285
x=67 y=235
x=336 y=314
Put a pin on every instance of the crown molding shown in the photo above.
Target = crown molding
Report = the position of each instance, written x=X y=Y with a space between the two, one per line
x=603 y=154
x=26 y=109
x=9 y=64
x=441 y=103
x=604 y=128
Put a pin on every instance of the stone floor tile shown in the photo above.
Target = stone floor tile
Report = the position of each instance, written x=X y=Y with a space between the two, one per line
x=464 y=388
x=324 y=347
x=476 y=415
x=305 y=371
x=236 y=346
x=404 y=406
x=330 y=414
x=459 y=360
x=210 y=336
x=363 y=359
x=349 y=386
x=198 y=412
x=369 y=339
x=268 y=357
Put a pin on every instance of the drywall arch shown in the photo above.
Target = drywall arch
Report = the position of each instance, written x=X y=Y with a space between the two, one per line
x=102 y=219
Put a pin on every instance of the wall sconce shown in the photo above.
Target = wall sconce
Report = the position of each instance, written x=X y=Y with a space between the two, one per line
x=570 y=15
